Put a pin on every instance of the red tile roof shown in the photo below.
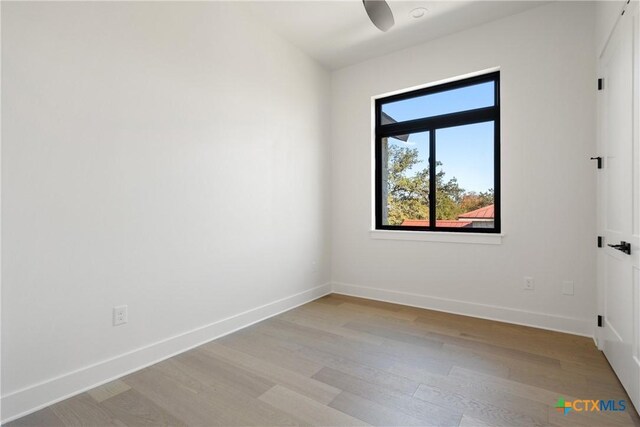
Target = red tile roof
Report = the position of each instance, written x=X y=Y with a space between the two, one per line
x=439 y=223
x=483 y=213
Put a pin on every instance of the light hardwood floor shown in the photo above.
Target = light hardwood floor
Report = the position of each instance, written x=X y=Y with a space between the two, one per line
x=348 y=361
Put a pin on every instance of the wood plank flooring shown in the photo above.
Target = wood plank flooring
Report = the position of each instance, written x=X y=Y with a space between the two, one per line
x=347 y=361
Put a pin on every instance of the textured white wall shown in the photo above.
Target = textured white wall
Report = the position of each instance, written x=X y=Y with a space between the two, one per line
x=548 y=81
x=168 y=156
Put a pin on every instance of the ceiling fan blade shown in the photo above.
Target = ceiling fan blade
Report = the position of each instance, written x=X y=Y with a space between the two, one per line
x=380 y=13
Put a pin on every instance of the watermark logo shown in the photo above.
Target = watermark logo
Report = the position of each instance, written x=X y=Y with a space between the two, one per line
x=566 y=406
x=563 y=406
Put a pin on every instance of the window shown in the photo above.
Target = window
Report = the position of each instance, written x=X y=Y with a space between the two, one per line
x=450 y=132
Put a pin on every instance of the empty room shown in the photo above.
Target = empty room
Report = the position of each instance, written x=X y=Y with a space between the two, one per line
x=320 y=213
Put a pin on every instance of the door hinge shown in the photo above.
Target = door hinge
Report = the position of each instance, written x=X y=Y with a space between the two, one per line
x=600 y=84
x=599 y=159
x=599 y=241
x=600 y=321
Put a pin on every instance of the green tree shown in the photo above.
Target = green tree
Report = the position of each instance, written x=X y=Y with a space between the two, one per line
x=408 y=196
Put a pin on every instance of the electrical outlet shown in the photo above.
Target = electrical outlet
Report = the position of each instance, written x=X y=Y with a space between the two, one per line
x=528 y=284
x=120 y=315
x=567 y=287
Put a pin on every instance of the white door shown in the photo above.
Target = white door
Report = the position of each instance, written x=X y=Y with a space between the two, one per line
x=619 y=213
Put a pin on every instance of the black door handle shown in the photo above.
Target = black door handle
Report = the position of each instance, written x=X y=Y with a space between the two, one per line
x=623 y=246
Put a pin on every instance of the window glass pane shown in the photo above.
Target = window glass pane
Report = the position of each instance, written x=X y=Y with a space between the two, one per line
x=465 y=176
x=405 y=180
x=451 y=101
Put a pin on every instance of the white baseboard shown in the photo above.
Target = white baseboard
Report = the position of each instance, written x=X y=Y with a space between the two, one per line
x=30 y=399
x=534 y=319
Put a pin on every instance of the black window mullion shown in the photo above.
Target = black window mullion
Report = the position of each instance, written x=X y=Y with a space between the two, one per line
x=446 y=120
x=378 y=168
x=432 y=179
x=497 y=224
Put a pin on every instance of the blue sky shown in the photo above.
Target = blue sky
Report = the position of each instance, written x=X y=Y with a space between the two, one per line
x=466 y=152
x=466 y=98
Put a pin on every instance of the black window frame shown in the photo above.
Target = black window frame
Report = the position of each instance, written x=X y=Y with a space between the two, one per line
x=432 y=124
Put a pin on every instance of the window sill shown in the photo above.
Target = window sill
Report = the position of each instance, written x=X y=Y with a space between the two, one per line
x=438 y=236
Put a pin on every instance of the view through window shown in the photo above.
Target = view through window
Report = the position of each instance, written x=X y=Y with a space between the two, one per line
x=449 y=132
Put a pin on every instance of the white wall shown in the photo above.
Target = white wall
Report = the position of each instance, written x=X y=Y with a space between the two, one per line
x=167 y=156
x=607 y=14
x=548 y=82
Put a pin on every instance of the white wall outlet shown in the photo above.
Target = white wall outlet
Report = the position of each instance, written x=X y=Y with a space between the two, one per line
x=528 y=284
x=567 y=287
x=120 y=315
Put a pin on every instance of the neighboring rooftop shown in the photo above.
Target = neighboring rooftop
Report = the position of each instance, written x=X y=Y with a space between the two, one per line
x=483 y=213
x=465 y=220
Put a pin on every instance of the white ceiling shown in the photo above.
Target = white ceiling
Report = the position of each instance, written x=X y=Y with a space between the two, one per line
x=339 y=33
